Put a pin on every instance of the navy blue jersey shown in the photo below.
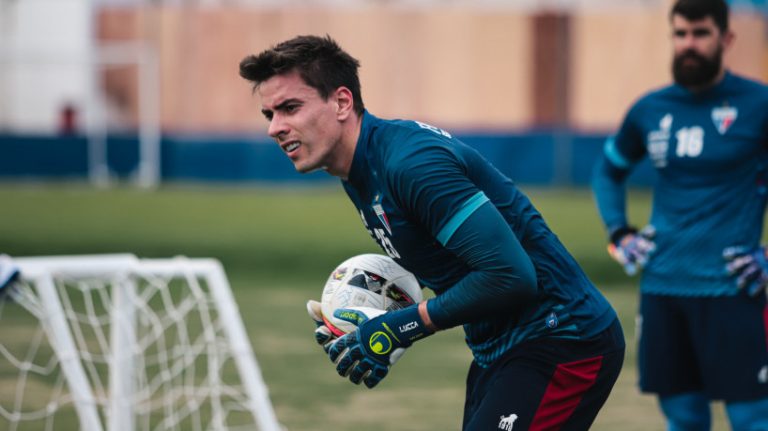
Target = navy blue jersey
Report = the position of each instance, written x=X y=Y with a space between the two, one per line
x=415 y=187
x=709 y=150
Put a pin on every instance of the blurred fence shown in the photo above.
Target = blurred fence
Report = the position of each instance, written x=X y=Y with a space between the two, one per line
x=535 y=157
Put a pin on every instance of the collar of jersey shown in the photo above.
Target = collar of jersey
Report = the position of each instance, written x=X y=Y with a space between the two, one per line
x=357 y=170
x=711 y=92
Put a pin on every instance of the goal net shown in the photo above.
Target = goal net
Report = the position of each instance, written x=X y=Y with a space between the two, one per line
x=115 y=342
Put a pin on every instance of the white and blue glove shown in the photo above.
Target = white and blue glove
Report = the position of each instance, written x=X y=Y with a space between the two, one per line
x=9 y=272
x=379 y=341
x=631 y=248
x=750 y=267
x=323 y=335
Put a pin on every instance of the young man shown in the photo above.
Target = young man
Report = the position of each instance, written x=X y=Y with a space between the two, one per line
x=531 y=317
x=702 y=338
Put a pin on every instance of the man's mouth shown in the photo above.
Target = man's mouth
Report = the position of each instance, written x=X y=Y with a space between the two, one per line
x=292 y=146
x=691 y=61
x=690 y=57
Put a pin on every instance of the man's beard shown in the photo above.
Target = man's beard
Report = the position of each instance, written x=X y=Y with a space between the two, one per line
x=700 y=74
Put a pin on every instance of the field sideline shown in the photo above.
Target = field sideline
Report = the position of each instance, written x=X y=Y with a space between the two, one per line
x=278 y=245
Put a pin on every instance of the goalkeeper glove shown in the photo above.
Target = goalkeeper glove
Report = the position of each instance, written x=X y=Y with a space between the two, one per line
x=632 y=248
x=323 y=334
x=379 y=341
x=750 y=267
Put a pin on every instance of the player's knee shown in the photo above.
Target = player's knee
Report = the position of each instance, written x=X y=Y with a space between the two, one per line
x=686 y=412
x=748 y=415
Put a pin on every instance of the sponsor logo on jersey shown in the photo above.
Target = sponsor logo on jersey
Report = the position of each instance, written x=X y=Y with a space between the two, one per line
x=723 y=117
x=379 y=210
x=658 y=141
x=507 y=423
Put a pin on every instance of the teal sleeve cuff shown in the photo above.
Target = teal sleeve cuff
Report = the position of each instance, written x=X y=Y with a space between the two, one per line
x=466 y=210
x=614 y=156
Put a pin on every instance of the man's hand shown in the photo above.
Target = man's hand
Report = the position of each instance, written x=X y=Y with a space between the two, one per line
x=632 y=248
x=379 y=341
x=750 y=267
x=323 y=334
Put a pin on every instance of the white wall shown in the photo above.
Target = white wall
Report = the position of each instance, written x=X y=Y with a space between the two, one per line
x=44 y=49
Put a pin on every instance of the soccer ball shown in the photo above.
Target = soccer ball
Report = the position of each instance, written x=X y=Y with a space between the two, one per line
x=367 y=280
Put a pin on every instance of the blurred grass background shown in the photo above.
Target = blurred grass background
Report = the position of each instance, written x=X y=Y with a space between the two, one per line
x=278 y=245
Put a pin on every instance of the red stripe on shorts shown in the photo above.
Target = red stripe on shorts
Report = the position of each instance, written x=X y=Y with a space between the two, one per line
x=765 y=323
x=568 y=384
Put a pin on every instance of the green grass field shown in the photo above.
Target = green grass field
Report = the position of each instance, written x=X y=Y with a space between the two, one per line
x=278 y=245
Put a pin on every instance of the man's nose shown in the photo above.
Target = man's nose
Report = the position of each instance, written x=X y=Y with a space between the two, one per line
x=277 y=127
x=688 y=41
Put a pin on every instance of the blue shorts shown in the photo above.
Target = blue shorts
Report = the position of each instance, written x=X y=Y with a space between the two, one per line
x=713 y=345
x=548 y=383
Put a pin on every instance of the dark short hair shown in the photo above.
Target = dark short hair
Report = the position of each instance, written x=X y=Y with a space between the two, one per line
x=320 y=62
x=694 y=10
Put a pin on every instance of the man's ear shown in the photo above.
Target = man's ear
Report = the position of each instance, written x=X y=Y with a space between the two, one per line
x=728 y=38
x=344 y=103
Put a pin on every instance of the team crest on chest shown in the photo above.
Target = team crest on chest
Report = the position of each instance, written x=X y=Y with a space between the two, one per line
x=379 y=210
x=723 y=117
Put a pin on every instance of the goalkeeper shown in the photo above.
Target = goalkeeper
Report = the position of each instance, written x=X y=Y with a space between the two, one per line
x=532 y=318
x=703 y=314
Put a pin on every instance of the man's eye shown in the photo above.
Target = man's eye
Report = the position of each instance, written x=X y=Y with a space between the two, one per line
x=291 y=108
x=701 y=33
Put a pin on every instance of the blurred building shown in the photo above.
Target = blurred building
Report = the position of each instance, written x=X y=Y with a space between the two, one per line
x=455 y=63
x=149 y=89
x=483 y=64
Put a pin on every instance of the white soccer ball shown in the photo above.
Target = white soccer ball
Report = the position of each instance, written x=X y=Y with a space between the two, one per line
x=367 y=280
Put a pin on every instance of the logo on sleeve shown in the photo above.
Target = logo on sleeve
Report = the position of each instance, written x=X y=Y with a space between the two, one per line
x=723 y=117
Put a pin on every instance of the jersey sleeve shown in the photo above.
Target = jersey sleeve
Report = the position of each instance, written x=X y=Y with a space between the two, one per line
x=433 y=185
x=621 y=153
x=502 y=280
x=429 y=180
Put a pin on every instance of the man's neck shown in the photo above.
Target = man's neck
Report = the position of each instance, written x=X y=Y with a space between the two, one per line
x=700 y=88
x=347 y=146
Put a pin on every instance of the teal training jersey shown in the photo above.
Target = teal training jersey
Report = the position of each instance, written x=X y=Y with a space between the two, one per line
x=415 y=186
x=709 y=150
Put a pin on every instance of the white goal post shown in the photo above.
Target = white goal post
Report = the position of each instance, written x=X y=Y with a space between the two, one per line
x=118 y=343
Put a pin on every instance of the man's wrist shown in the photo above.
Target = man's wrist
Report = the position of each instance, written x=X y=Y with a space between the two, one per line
x=406 y=325
x=424 y=314
x=616 y=234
